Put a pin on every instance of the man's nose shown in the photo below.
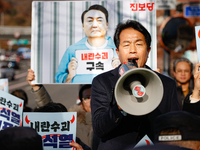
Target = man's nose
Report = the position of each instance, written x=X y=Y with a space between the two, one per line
x=132 y=48
x=94 y=24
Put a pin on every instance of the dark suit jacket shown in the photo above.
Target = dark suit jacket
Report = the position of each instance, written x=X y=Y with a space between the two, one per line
x=117 y=131
x=191 y=107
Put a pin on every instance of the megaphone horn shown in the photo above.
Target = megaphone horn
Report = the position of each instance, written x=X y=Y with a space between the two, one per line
x=139 y=91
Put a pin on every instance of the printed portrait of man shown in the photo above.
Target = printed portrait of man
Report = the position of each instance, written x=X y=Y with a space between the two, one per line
x=93 y=54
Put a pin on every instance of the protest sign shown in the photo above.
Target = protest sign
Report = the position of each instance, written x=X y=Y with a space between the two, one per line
x=58 y=31
x=11 y=109
x=56 y=129
x=197 y=35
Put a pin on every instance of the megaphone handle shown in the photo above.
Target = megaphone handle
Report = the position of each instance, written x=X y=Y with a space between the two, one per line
x=112 y=96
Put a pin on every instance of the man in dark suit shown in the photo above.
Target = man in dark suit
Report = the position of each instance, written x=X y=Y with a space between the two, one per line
x=119 y=130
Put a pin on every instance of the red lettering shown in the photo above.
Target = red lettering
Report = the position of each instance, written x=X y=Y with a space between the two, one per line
x=105 y=55
x=83 y=56
x=150 y=6
x=97 y=56
x=133 y=6
x=142 y=7
x=90 y=56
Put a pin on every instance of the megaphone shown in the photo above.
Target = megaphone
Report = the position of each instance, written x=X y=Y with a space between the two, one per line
x=138 y=91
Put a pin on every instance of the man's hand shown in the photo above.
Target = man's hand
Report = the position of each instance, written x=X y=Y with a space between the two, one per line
x=115 y=62
x=76 y=145
x=72 y=69
x=196 y=90
x=31 y=77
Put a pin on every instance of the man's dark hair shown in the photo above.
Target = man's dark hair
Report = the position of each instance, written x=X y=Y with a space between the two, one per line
x=20 y=94
x=84 y=87
x=95 y=7
x=135 y=25
x=52 y=107
x=182 y=59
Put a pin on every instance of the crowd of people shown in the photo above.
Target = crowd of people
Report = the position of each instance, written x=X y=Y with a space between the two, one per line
x=103 y=125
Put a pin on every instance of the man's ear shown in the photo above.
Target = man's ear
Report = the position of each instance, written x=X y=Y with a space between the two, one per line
x=82 y=105
x=149 y=50
x=117 y=51
x=107 y=25
x=82 y=25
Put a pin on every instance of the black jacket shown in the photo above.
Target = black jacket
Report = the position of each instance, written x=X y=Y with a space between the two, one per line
x=116 y=130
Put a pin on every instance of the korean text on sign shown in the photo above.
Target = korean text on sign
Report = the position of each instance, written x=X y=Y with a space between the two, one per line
x=141 y=6
x=56 y=129
x=11 y=109
x=94 y=61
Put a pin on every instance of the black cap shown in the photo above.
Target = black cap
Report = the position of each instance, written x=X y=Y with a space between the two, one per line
x=188 y=124
x=20 y=138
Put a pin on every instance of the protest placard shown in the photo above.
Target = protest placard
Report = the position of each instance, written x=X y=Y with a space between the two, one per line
x=56 y=129
x=197 y=35
x=58 y=30
x=11 y=109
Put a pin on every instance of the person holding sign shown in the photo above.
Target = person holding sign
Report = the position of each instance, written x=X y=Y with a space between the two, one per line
x=84 y=125
x=116 y=128
x=91 y=55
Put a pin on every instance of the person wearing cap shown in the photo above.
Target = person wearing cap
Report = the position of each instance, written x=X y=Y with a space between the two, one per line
x=20 y=138
x=179 y=128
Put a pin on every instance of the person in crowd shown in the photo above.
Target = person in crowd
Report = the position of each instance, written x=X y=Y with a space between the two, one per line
x=179 y=128
x=42 y=97
x=22 y=95
x=192 y=101
x=20 y=138
x=95 y=26
x=182 y=71
x=119 y=130
x=84 y=122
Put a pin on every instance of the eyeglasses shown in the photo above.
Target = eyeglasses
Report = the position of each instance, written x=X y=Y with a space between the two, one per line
x=183 y=71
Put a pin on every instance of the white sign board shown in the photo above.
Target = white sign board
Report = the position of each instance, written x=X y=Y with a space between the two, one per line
x=144 y=141
x=94 y=61
x=58 y=30
x=11 y=109
x=57 y=129
x=4 y=85
x=197 y=35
